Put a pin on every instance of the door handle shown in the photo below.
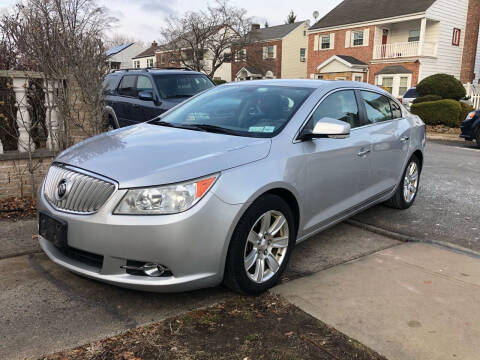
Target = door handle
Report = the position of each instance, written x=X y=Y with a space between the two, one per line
x=364 y=152
x=404 y=139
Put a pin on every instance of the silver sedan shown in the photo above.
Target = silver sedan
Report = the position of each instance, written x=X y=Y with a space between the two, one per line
x=222 y=187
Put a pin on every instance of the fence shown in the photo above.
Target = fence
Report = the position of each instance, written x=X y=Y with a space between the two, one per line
x=473 y=91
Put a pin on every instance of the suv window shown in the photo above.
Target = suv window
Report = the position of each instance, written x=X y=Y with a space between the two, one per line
x=181 y=85
x=397 y=113
x=377 y=107
x=341 y=105
x=109 y=84
x=127 y=86
x=144 y=84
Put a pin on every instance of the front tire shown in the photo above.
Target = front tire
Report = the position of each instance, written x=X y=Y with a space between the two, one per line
x=261 y=246
x=477 y=137
x=407 y=190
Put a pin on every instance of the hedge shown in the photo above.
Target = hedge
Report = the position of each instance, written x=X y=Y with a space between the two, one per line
x=442 y=112
x=444 y=85
x=426 y=98
x=219 y=81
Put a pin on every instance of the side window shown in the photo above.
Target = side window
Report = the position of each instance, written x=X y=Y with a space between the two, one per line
x=377 y=107
x=341 y=105
x=144 y=84
x=396 y=112
x=127 y=86
x=108 y=85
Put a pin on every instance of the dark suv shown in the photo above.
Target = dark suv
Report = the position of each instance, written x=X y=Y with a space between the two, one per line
x=471 y=127
x=137 y=95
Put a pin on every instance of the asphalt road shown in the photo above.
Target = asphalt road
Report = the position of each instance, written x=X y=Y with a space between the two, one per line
x=447 y=207
x=44 y=308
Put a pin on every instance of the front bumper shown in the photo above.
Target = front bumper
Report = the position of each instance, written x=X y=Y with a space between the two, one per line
x=192 y=244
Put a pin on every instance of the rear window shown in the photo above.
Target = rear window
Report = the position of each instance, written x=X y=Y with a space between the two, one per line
x=411 y=94
x=181 y=85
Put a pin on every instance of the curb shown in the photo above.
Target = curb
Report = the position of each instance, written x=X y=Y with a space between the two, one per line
x=439 y=137
x=407 y=238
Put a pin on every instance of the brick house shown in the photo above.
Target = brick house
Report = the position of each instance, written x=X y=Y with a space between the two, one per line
x=146 y=58
x=395 y=45
x=273 y=52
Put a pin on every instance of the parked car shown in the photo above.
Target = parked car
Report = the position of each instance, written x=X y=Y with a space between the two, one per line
x=409 y=96
x=137 y=95
x=223 y=186
x=471 y=127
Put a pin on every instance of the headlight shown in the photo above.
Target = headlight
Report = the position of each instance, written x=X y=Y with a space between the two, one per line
x=471 y=115
x=169 y=199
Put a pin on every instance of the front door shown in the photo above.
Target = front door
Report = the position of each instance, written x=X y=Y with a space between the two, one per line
x=384 y=41
x=337 y=178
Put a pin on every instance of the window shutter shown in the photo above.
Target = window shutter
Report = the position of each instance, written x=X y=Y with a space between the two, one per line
x=366 y=37
x=315 y=43
x=332 y=41
x=274 y=51
x=265 y=52
x=312 y=76
x=347 y=39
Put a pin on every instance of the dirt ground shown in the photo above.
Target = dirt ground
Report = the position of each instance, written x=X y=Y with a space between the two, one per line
x=264 y=327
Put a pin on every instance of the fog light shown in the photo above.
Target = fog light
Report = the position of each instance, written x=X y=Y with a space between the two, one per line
x=151 y=269
x=145 y=269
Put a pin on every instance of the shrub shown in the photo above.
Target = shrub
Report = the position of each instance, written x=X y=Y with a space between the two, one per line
x=442 y=112
x=426 y=98
x=466 y=109
x=444 y=85
x=219 y=81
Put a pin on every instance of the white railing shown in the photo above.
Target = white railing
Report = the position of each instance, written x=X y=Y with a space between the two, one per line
x=401 y=50
x=473 y=91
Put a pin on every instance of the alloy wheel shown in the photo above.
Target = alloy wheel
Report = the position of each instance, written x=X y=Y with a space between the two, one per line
x=410 y=182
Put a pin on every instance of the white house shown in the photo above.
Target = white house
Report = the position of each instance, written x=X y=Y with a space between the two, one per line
x=120 y=56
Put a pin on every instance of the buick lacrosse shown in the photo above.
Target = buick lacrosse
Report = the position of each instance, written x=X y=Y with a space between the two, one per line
x=222 y=187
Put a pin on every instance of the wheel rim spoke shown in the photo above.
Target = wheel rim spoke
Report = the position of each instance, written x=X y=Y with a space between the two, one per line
x=272 y=262
x=251 y=259
x=259 y=270
x=280 y=242
x=252 y=237
x=277 y=225
x=265 y=222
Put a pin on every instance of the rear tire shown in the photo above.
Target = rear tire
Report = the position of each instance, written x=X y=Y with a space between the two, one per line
x=477 y=137
x=261 y=246
x=407 y=189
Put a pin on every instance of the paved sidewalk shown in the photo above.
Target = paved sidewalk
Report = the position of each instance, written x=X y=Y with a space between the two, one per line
x=18 y=237
x=413 y=301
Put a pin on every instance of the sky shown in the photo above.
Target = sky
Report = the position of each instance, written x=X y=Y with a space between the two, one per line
x=142 y=19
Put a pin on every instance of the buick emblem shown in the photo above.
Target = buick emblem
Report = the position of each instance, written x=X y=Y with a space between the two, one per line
x=63 y=188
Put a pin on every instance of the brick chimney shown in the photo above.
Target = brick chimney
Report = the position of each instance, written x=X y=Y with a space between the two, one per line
x=154 y=43
x=467 y=74
x=255 y=27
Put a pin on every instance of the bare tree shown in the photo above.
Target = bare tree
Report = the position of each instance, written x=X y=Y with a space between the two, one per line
x=291 y=18
x=120 y=39
x=203 y=40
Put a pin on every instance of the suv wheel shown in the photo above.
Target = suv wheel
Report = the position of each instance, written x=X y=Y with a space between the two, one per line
x=477 y=136
x=108 y=122
x=408 y=188
x=261 y=246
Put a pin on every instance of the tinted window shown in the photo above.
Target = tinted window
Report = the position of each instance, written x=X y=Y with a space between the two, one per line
x=341 y=105
x=127 y=86
x=411 y=94
x=396 y=112
x=144 y=84
x=109 y=84
x=254 y=111
x=181 y=85
x=377 y=107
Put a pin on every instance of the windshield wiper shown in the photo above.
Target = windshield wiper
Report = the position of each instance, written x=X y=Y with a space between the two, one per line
x=211 y=128
x=178 y=96
x=164 y=123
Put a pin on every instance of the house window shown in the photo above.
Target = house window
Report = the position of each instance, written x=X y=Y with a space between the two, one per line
x=115 y=65
x=136 y=64
x=271 y=52
x=326 y=42
x=163 y=59
x=241 y=55
x=149 y=62
x=387 y=84
x=402 y=89
x=303 y=53
x=456 y=37
x=340 y=78
x=413 y=35
x=358 y=78
x=319 y=77
x=358 y=38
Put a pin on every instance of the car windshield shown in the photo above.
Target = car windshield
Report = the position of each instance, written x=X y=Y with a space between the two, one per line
x=411 y=94
x=181 y=85
x=253 y=110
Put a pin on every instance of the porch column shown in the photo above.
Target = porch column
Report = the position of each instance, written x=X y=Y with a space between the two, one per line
x=1 y=147
x=25 y=143
x=51 y=107
x=423 y=29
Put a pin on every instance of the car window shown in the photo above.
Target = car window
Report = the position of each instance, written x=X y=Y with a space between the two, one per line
x=341 y=105
x=144 y=84
x=127 y=86
x=396 y=112
x=253 y=110
x=411 y=94
x=181 y=85
x=108 y=85
x=377 y=107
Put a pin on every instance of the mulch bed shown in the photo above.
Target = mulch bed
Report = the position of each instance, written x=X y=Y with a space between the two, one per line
x=442 y=129
x=263 y=327
x=18 y=208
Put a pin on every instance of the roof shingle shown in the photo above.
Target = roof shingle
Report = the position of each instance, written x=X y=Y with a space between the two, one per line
x=273 y=32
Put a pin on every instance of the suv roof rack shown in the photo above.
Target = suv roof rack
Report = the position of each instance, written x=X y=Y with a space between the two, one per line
x=150 y=68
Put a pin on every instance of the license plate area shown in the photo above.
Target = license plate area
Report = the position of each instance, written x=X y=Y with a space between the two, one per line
x=52 y=229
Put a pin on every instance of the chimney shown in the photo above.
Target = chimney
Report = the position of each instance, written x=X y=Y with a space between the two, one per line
x=467 y=73
x=154 y=43
x=255 y=27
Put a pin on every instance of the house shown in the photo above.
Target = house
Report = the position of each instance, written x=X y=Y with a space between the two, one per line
x=273 y=52
x=395 y=44
x=120 y=56
x=147 y=58
x=176 y=55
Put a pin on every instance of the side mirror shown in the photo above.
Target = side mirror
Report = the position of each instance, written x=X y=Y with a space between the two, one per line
x=327 y=128
x=145 y=95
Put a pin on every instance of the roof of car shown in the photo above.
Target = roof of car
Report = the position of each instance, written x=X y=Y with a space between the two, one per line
x=156 y=72
x=307 y=83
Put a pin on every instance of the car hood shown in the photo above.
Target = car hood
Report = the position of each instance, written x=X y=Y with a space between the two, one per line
x=146 y=154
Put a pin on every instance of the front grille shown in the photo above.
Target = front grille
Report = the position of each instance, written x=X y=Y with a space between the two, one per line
x=85 y=194
x=84 y=257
